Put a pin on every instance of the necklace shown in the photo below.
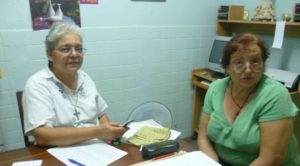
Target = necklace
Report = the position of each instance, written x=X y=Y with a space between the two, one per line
x=76 y=113
x=236 y=103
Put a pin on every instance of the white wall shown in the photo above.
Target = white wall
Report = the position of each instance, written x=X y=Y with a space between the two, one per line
x=137 y=52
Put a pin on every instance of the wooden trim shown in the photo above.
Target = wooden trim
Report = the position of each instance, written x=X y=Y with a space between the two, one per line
x=228 y=27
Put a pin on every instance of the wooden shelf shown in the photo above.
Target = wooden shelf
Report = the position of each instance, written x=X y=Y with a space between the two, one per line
x=227 y=27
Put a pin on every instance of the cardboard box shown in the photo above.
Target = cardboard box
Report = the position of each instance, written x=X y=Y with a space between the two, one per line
x=236 y=12
x=232 y=12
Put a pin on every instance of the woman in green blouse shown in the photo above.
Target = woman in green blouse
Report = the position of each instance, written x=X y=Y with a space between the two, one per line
x=247 y=117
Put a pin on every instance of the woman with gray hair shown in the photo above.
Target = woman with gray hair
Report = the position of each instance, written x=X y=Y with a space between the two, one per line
x=61 y=103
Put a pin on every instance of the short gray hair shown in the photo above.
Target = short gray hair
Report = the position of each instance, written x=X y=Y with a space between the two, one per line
x=57 y=30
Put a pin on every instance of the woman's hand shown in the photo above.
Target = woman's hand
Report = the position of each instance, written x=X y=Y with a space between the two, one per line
x=109 y=131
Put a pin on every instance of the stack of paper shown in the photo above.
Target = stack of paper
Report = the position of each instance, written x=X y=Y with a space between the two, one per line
x=90 y=153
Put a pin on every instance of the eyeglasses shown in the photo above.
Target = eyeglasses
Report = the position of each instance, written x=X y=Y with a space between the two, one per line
x=68 y=50
x=239 y=65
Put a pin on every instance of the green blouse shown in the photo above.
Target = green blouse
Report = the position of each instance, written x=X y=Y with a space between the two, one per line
x=238 y=144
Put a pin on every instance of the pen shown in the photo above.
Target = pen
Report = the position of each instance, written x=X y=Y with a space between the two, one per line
x=110 y=142
x=76 y=162
x=116 y=141
x=127 y=123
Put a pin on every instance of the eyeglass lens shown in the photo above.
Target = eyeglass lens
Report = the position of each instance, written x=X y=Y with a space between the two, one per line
x=68 y=49
x=240 y=65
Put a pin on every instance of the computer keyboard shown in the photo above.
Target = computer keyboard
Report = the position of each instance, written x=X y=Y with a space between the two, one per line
x=205 y=82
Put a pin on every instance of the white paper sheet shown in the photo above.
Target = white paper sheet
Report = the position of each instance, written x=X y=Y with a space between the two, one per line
x=90 y=153
x=28 y=163
x=196 y=158
x=135 y=126
x=279 y=34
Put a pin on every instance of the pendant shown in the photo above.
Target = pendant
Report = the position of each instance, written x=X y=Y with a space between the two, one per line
x=76 y=113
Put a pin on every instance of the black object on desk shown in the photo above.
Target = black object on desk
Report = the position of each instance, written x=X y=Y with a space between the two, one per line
x=157 y=149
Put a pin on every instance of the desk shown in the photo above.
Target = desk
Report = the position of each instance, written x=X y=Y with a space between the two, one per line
x=39 y=153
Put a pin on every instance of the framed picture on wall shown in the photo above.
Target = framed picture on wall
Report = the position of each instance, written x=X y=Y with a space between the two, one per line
x=45 y=12
x=88 y=1
x=151 y=0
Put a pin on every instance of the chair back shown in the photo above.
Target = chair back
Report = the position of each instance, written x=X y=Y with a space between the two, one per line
x=152 y=110
x=296 y=100
x=297 y=130
x=19 y=95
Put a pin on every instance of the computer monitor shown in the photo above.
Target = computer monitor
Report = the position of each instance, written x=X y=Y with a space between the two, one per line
x=216 y=53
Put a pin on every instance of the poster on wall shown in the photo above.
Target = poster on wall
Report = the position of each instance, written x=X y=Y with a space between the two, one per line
x=45 y=12
x=89 y=1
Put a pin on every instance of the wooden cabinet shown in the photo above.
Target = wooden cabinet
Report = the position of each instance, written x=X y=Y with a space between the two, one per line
x=228 y=27
x=200 y=78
